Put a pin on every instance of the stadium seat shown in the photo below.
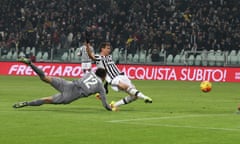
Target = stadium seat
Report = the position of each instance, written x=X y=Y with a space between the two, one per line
x=115 y=54
x=77 y=57
x=33 y=51
x=219 y=60
x=135 y=58
x=218 y=53
x=39 y=56
x=9 y=55
x=65 y=56
x=176 y=59
x=211 y=59
x=204 y=57
x=233 y=53
x=77 y=51
x=169 y=59
x=183 y=59
x=15 y=55
x=28 y=50
x=149 y=58
x=129 y=58
x=238 y=54
x=45 y=56
x=211 y=51
x=71 y=56
x=142 y=57
x=198 y=60
x=233 y=59
x=116 y=50
x=191 y=59
x=21 y=54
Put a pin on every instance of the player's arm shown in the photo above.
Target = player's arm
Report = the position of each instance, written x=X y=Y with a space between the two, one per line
x=106 y=90
x=88 y=49
x=102 y=94
x=90 y=52
x=80 y=51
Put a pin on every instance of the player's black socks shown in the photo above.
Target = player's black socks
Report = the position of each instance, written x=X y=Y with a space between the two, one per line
x=39 y=72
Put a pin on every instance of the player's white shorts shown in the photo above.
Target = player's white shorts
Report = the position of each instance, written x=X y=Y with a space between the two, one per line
x=86 y=65
x=121 y=78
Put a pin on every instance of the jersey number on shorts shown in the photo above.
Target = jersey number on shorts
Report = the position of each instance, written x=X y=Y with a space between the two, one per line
x=90 y=81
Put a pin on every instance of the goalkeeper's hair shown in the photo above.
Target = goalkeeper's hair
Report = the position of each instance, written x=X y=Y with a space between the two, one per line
x=100 y=72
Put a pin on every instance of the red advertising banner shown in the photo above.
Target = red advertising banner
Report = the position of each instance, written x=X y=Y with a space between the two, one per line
x=146 y=72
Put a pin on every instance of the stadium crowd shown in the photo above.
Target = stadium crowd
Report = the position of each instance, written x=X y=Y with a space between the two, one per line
x=151 y=25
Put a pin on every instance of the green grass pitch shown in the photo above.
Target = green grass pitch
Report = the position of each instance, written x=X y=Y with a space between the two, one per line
x=180 y=114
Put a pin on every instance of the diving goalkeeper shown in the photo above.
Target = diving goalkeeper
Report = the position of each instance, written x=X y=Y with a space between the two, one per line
x=70 y=91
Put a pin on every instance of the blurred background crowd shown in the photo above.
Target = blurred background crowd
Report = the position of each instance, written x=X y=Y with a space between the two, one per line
x=135 y=25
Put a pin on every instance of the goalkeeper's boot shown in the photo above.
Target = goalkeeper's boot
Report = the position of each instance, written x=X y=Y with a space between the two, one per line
x=20 y=104
x=112 y=105
x=98 y=97
x=24 y=60
x=148 y=100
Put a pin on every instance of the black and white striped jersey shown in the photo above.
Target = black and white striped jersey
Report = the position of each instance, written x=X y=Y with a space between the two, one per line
x=108 y=64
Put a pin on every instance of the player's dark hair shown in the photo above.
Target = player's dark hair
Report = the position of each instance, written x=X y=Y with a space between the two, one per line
x=100 y=72
x=104 y=44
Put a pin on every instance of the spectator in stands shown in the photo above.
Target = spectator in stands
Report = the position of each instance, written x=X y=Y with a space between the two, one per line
x=155 y=55
x=132 y=45
x=198 y=21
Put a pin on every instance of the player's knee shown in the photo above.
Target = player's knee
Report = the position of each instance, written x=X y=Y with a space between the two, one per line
x=66 y=102
x=46 y=79
x=59 y=100
x=133 y=98
x=123 y=86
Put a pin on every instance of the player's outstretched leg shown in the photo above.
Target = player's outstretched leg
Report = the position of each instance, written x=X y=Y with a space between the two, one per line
x=135 y=92
x=38 y=102
x=20 y=105
x=39 y=72
x=133 y=95
x=124 y=101
x=24 y=60
x=147 y=100
x=32 y=103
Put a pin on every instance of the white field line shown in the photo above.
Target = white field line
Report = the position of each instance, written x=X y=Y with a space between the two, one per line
x=136 y=122
x=183 y=126
x=168 y=117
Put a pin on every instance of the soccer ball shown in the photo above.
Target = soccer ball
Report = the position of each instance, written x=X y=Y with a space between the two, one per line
x=206 y=86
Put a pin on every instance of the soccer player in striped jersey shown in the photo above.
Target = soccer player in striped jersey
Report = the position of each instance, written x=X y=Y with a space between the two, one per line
x=117 y=79
x=86 y=62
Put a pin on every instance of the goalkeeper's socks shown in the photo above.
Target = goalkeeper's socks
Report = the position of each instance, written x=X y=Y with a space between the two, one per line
x=39 y=72
x=36 y=102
